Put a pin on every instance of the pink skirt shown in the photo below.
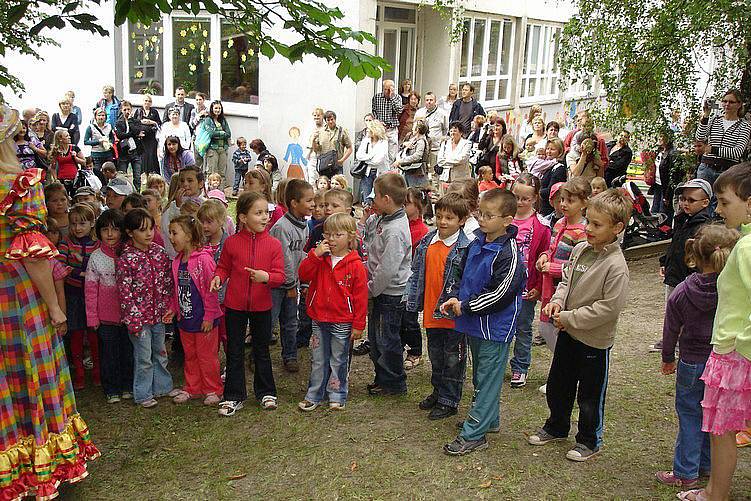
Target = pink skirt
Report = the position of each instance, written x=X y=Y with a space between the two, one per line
x=727 y=393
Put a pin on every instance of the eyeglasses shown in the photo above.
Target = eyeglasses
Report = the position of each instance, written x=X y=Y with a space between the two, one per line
x=488 y=217
x=690 y=200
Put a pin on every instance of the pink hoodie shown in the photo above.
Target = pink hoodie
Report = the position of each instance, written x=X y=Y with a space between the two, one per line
x=201 y=267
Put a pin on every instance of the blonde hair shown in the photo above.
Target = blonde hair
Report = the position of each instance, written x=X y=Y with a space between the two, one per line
x=343 y=223
x=262 y=176
x=214 y=176
x=614 y=203
x=109 y=88
x=189 y=207
x=63 y=100
x=559 y=145
x=155 y=180
x=711 y=247
x=598 y=182
x=341 y=180
x=377 y=130
x=55 y=150
x=212 y=210
x=534 y=111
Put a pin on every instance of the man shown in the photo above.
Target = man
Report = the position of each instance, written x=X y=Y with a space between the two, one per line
x=130 y=132
x=184 y=107
x=332 y=138
x=386 y=107
x=466 y=109
x=620 y=157
x=437 y=124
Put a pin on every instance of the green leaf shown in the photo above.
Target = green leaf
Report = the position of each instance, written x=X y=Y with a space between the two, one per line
x=370 y=70
x=356 y=73
x=17 y=12
x=343 y=69
x=71 y=7
x=267 y=50
x=122 y=8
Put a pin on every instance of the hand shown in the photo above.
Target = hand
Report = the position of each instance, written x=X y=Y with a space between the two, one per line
x=179 y=194
x=356 y=334
x=452 y=306
x=206 y=326
x=551 y=309
x=95 y=326
x=58 y=319
x=322 y=249
x=668 y=368
x=662 y=272
x=258 y=276
x=706 y=109
x=142 y=134
x=532 y=295
x=340 y=161
x=216 y=284
x=557 y=321
x=540 y=261
x=545 y=268
x=169 y=316
x=707 y=148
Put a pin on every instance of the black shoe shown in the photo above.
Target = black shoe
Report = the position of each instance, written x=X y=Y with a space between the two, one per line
x=375 y=390
x=428 y=402
x=274 y=338
x=460 y=447
x=361 y=349
x=441 y=411
x=460 y=426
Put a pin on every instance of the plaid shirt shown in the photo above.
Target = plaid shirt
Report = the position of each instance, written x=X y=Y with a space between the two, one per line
x=387 y=110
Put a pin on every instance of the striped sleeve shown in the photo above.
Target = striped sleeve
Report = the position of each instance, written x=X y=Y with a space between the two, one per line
x=507 y=281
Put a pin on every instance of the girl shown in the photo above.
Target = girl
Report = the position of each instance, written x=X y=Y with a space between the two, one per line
x=59 y=271
x=100 y=136
x=688 y=320
x=103 y=310
x=175 y=157
x=197 y=310
x=254 y=260
x=65 y=159
x=257 y=180
x=190 y=183
x=486 y=179
x=726 y=405
x=28 y=150
x=410 y=332
x=156 y=182
x=144 y=285
x=56 y=200
x=271 y=165
x=323 y=184
x=213 y=182
x=532 y=239
x=337 y=302
x=551 y=170
x=173 y=128
x=75 y=251
x=340 y=182
x=507 y=163
x=154 y=205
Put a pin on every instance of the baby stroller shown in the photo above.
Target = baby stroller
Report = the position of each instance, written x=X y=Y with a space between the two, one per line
x=643 y=227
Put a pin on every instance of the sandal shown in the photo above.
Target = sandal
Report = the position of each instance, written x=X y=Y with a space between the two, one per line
x=743 y=438
x=269 y=402
x=693 y=495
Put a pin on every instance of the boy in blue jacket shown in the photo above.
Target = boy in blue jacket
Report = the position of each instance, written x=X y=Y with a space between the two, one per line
x=489 y=302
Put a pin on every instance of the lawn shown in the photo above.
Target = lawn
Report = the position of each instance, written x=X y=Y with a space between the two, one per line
x=385 y=448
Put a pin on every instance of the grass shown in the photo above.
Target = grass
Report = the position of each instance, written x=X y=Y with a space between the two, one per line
x=382 y=448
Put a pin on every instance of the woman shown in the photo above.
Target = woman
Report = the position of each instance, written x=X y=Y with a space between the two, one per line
x=619 y=158
x=259 y=148
x=110 y=103
x=43 y=439
x=100 y=137
x=40 y=126
x=215 y=158
x=407 y=116
x=668 y=175
x=65 y=159
x=526 y=129
x=374 y=151
x=176 y=128
x=453 y=156
x=446 y=103
x=405 y=90
x=174 y=158
x=29 y=151
x=490 y=144
x=67 y=120
x=412 y=157
x=150 y=119
x=538 y=135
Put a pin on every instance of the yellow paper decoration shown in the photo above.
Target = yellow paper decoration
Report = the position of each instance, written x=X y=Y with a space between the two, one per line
x=243 y=57
x=205 y=33
x=145 y=57
x=193 y=28
x=139 y=74
x=251 y=52
x=192 y=67
x=192 y=46
x=133 y=35
x=183 y=33
x=224 y=54
x=230 y=42
x=153 y=38
x=184 y=51
x=161 y=29
x=140 y=48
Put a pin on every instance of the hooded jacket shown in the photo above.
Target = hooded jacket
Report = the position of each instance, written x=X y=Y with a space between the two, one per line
x=689 y=315
x=100 y=288
x=292 y=233
x=685 y=227
x=201 y=267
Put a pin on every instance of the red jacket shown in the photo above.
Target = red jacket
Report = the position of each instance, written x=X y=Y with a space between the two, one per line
x=338 y=295
x=259 y=251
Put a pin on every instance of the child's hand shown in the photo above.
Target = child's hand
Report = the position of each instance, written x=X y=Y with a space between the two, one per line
x=168 y=317
x=452 y=307
x=668 y=368
x=356 y=334
x=206 y=326
x=322 y=249
x=532 y=295
x=216 y=284
x=551 y=309
x=258 y=276
x=540 y=261
x=545 y=268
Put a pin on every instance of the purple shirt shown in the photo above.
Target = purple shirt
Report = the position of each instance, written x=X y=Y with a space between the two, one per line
x=189 y=300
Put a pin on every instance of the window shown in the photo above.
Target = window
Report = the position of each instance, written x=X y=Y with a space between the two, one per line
x=146 y=68
x=540 y=68
x=190 y=55
x=239 y=66
x=486 y=58
x=395 y=42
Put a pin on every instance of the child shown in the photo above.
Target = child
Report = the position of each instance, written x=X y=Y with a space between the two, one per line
x=292 y=232
x=258 y=180
x=116 y=191
x=551 y=171
x=323 y=184
x=190 y=184
x=154 y=205
x=598 y=185
x=197 y=311
x=218 y=195
x=490 y=294
x=75 y=251
x=410 y=332
x=103 y=309
x=240 y=160
x=507 y=161
x=213 y=182
x=144 y=285
x=585 y=308
x=109 y=171
x=253 y=262
x=555 y=200
x=469 y=190
x=339 y=182
x=271 y=166
x=133 y=201
x=436 y=274
x=157 y=182
x=56 y=200
x=59 y=271
x=338 y=304
x=319 y=211
x=211 y=215
x=689 y=314
x=85 y=194
x=389 y=257
x=532 y=240
x=486 y=179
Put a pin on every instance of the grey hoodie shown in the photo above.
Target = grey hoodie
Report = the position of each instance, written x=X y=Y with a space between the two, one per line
x=292 y=233
x=389 y=245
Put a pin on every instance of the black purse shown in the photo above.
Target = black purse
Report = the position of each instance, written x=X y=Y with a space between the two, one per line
x=358 y=171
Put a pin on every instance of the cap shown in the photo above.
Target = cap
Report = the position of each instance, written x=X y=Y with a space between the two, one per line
x=555 y=189
x=85 y=191
x=120 y=186
x=217 y=195
x=696 y=183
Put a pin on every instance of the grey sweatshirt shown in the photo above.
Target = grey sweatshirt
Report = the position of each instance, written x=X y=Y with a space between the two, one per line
x=292 y=233
x=389 y=247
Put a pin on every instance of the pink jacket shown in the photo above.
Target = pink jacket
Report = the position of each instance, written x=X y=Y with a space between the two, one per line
x=100 y=288
x=201 y=267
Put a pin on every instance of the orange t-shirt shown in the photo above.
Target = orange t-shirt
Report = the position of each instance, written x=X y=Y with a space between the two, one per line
x=435 y=265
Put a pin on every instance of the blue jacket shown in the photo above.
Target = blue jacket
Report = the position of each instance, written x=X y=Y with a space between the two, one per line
x=491 y=288
x=452 y=274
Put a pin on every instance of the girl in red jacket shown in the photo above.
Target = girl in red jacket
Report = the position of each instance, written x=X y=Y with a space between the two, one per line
x=197 y=310
x=252 y=261
x=337 y=301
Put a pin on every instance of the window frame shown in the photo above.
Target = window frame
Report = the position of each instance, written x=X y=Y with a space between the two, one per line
x=484 y=77
x=547 y=68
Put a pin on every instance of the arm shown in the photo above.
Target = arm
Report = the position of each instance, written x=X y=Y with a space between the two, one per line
x=347 y=142
x=740 y=147
x=360 y=297
x=278 y=232
x=416 y=156
x=671 y=329
x=88 y=140
x=504 y=286
x=212 y=310
x=276 y=273
x=309 y=267
x=393 y=253
x=702 y=130
x=40 y=273
x=396 y=104
x=602 y=311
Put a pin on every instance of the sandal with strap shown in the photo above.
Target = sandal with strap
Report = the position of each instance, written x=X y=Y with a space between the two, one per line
x=693 y=495
x=269 y=402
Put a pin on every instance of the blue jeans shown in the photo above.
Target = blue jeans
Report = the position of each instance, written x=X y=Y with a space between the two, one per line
x=657 y=203
x=150 y=375
x=709 y=174
x=239 y=176
x=366 y=187
x=386 y=348
x=284 y=308
x=329 y=362
x=135 y=162
x=448 y=359
x=523 y=342
x=691 y=445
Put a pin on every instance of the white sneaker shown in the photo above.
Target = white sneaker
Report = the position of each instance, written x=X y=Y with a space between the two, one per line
x=229 y=407
x=518 y=380
x=543 y=389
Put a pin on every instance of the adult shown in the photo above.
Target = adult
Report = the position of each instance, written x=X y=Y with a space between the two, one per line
x=175 y=158
x=29 y=150
x=67 y=120
x=675 y=121
x=359 y=136
x=374 y=151
x=436 y=120
x=215 y=158
x=620 y=155
x=668 y=175
x=453 y=157
x=386 y=108
x=446 y=103
x=581 y=117
x=334 y=138
x=110 y=103
x=538 y=135
x=490 y=144
x=412 y=159
x=173 y=128
x=65 y=160
x=150 y=122
x=71 y=96
x=312 y=157
x=198 y=113
x=40 y=126
x=182 y=106
x=407 y=116
x=585 y=156
x=258 y=147
x=100 y=137
x=43 y=439
x=526 y=129
x=466 y=109
x=405 y=89
x=131 y=132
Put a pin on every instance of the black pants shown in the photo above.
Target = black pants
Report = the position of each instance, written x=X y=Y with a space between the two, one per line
x=576 y=364
x=411 y=333
x=611 y=174
x=115 y=359
x=448 y=359
x=263 y=377
x=304 y=322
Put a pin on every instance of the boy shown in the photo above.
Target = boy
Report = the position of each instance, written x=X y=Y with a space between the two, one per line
x=693 y=199
x=292 y=231
x=240 y=159
x=486 y=310
x=109 y=171
x=85 y=194
x=389 y=257
x=436 y=274
x=585 y=307
x=191 y=185
x=116 y=191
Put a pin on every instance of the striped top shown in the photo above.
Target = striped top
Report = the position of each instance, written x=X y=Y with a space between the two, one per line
x=728 y=144
x=75 y=253
x=564 y=238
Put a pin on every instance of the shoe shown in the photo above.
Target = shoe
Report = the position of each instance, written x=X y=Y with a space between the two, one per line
x=460 y=446
x=669 y=478
x=211 y=399
x=181 y=397
x=376 y=390
x=269 y=403
x=336 y=406
x=308 y=406
x=538 y=340
x=412 y=362
x=543 y=389
x=361 y=349
x=230 y=407
x=656 y=348
x=88 y=363
x=274 y=338
x=542 y=437
x=428 y=402
x=127 y=395
x=148 y=404
x=441 y=411
x=518 y=380
x=291 y=365
x=173 y=393
x=581 y=453
x=113 y=399
x=492 y=429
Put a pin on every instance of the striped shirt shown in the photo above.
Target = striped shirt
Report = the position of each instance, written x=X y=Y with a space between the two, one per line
x=728 y=144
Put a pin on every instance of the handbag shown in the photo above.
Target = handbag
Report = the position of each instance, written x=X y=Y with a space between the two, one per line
x=203 y=137
x=326 y=162
x=358 y=171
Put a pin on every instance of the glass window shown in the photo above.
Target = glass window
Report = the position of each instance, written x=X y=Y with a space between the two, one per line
x=534 y=49
x=146 y=67
x=398 y=15
x=477 y=46
x=465 y=48
x=190 y=54
x=239 y=66
x=506 y=47
x=486 y=57
x=405 y=53
x=495 y=40
x=389 y=52
x=540 y=73
x=490 y=90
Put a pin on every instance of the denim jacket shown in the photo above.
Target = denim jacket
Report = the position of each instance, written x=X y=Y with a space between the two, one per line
x=414 y=293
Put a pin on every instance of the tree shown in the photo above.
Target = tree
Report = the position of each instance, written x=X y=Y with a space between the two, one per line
x=23 y=24
x=649 y=54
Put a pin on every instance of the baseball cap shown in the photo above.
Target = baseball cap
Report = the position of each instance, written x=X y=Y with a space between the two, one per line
x=120 y=186
x=555 y=189
x=217 y=195
x=85 y=191
x=696 y=183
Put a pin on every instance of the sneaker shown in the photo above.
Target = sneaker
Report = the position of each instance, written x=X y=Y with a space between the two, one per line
x=460 y=446
x=113 y=399
x=361 y=349
x=492 y=429
x=269 y=402
x=308 y=406
x=291 y=365
x=543 y=389
x=148 y=404
x=412 y=362
x=181 y=397
x=656 y=348
x=88 y=363
x=211 y=399
x=441 y=411
x=669 y=478
x=127 y=395
x=336 y=406
x=518 y=380
x=428 y=221
x=581 y=453
x=428 y=402
x=542 y=437
x=376 y=390
x=230 y=407
x=538 y=340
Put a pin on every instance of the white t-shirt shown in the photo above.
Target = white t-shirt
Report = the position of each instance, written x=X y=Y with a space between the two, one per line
x=334 y=260
x=726 y=124
x=658 y=161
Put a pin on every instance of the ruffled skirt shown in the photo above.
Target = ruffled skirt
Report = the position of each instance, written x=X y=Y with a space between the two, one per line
x=727 y=393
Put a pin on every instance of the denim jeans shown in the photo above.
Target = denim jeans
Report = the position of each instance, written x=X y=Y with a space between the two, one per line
x=709 y=174
x=150 y=375
x=386 y=347
x=366 y=187
x=284 y=308
x=115 y=359
x=239 y=176
x=329 y=362
x=260 y=335
x=448 y=358
x=304 y=323
x=411 y=334
x=523 y=341
x=135 y=162
x=691 y=445
x=657 y=203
